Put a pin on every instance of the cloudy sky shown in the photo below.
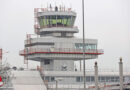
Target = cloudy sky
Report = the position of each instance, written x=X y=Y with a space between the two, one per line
x=105 y=20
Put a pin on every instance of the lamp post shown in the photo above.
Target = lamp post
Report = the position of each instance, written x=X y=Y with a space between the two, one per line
x=96 y=75
x=121 y=73
x=84 y=74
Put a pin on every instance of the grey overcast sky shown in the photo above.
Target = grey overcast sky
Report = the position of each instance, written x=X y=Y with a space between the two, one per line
x=105 y=20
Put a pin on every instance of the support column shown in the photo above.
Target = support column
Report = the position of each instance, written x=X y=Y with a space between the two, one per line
x=96 y=76
x=56 y=85
x=121 y=73
x=80 y=65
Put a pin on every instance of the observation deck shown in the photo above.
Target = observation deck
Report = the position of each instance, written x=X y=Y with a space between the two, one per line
x=59 y=53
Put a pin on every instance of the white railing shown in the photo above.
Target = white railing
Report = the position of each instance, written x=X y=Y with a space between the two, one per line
x=52 y=9
x=60 y=50
x=36 y=26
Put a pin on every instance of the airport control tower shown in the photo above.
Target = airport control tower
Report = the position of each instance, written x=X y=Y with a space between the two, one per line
x=56 y=47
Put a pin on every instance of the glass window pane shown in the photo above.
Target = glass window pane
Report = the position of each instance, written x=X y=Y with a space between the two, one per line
x=77 y=79
x=59 y=21
x=116 y=79
x=47 y=78
x=44 y=22
x=73 y=19
x=88 y=79
x=87 y=46
x=108 y=79
x=102 y=79
x=92 y=79
x=112 y=79
x=52 y=79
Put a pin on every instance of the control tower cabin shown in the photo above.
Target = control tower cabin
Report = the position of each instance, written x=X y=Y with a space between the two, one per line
x=57 y=48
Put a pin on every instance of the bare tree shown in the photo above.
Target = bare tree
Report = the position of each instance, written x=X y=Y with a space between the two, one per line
x=5 y=73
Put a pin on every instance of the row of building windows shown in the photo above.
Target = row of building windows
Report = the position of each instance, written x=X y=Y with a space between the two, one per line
x=56 y=20
x=87 y=46
x=100 y=79
x=49 y=79
x=90 y=79
x=40 y=43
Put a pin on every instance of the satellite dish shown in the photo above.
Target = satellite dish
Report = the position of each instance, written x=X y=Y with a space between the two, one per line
x=52 y=49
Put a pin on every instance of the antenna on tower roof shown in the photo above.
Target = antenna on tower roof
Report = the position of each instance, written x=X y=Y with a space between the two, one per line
x=64 y=8
x=60 y=8
x=47 y=6
x=50 y=7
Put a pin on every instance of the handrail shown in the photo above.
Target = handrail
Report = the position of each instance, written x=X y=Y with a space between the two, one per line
x=36 y=26
x=59 y=50
x=61 y=9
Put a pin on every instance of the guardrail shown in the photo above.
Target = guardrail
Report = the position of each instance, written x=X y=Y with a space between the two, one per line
x=36 y=26
x=53 y=9
x=60 y=51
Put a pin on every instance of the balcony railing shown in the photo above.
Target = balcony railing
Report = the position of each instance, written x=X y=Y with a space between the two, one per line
x=60 y=51
x=52 y=9
x=36 y=26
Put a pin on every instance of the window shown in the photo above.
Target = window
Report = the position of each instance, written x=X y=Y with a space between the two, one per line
x=40 y=43
x=102 y=79
x=53 y=20
x=79 y=79
x=63 y=34
x=92 y=79
x=87 y=46
x=52 y=79
x=88 y=79
x=112 y=79
x=47 y=62
x=108 y=79
x=47 y=78
x=116 y=79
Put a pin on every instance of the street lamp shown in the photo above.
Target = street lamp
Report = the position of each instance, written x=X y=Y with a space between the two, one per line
x=84 y=74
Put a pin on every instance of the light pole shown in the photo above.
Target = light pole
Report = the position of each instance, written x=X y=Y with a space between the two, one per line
x=84 y=74
x=96 y=75
x=121 y=73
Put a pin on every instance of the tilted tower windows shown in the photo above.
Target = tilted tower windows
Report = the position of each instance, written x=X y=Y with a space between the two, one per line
x=56 y=21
